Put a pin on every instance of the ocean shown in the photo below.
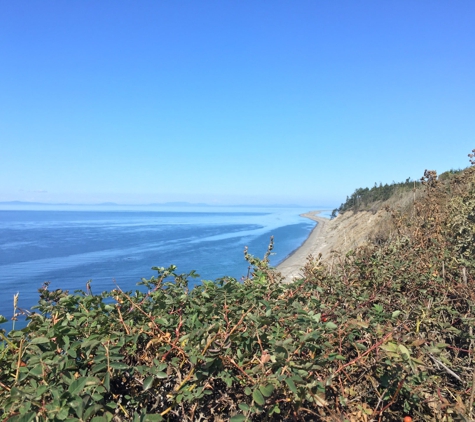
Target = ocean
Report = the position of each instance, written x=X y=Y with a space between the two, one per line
x=118 y=248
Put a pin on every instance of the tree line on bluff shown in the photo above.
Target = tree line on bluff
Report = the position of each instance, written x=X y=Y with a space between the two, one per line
x=362 y=198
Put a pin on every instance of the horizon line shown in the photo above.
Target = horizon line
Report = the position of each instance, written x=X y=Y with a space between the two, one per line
x=152 y=204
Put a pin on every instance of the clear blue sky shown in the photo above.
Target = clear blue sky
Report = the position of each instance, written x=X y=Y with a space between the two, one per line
x=231 y=101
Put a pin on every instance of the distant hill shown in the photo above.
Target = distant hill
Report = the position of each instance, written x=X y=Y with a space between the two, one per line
x=156 y=204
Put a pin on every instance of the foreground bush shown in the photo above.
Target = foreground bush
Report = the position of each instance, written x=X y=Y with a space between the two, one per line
x=385 y=333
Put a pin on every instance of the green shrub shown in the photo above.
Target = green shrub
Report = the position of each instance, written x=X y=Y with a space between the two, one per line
x=384 y=333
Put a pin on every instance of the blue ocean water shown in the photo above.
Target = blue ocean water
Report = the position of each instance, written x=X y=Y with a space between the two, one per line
x=111 y=248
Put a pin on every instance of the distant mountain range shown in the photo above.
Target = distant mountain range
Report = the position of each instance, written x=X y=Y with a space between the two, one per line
x=102 y=204
x=163 y=204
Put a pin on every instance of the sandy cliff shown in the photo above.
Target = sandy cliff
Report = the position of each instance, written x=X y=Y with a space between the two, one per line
x=330 y=238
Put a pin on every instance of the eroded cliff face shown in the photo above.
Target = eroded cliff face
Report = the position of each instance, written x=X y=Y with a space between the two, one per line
x=351 y=230
x=334 y=238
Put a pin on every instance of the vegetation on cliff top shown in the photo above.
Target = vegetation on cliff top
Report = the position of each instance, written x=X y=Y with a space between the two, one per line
x=385 y=333
x=371 y=199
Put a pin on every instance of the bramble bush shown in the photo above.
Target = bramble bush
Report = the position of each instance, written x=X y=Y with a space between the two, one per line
x=385 y=333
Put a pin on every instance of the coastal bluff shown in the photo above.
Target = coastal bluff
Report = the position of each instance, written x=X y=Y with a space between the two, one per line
x=331 y=239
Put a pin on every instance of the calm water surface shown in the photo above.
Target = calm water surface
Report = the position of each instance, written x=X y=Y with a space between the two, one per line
x=68 y=248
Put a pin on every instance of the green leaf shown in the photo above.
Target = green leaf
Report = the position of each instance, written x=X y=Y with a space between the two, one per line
x=390 y=347
x=244 y=407
x=317 y=317
x=78 y=406
x=90 y=411
x=62 y=414
x=118 y=365
x=99 y=419
x=90 y=343
x=3 y=319
x=237 y=418
x=258 y=397
x=331 y=325
x=107 y=381
x=404 y=350
x=39 y=340
x=93 y=381
x=77 y=385
x=27 y=417
x=147 y=383
x=161 y=375
x=153 y=418
x=291 y=384
x=37 y=371
x=267 y=390
x=98 y=368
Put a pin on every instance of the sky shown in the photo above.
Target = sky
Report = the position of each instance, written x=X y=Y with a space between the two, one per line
x=231 y=102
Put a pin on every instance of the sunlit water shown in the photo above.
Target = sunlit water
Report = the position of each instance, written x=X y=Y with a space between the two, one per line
x=68 y=248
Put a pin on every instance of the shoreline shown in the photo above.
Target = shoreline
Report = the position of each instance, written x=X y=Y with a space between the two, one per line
x=290 y=267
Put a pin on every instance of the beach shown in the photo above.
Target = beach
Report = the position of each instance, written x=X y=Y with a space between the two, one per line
x=290 y=268
x=331 y=238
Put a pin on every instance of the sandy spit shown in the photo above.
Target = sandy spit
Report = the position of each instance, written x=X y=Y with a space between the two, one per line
x=290 y=268
x=345 y=232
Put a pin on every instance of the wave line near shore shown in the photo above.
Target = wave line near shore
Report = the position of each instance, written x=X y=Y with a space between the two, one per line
x=290 y=267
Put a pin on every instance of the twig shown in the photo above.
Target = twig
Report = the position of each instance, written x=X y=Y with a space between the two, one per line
x=379 y=343
x=134 y=305
x=240 y=321
x=472 y=396
x=3 y=337
x=4 y=386
x=19 y=361
x=393 y=398
x=227 y=358
x=123 y=409
x=122 y=320
x=192 y=371
x=447 y=369
x=309 y=411
x=380 y=399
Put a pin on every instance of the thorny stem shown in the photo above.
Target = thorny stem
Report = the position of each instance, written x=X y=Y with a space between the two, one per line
x=19 y=360
x=379 y=343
